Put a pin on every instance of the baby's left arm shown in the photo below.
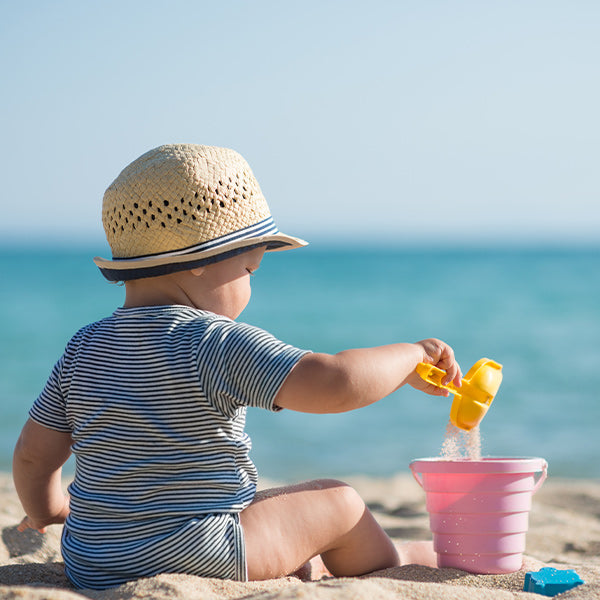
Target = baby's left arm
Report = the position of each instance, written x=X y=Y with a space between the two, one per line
x=39 y=456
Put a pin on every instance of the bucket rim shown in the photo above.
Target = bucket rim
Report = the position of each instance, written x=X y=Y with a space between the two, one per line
x=488 y=464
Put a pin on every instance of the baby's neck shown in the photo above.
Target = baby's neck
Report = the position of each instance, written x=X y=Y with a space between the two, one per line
x=155 y=291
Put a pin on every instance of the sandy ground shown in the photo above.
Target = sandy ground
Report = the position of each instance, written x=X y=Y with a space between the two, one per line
x=564 y=532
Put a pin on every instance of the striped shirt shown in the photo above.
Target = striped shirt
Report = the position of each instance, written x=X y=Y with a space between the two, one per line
x=155 y=400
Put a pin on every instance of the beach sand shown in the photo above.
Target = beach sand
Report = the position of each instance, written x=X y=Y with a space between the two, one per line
x=564 y=532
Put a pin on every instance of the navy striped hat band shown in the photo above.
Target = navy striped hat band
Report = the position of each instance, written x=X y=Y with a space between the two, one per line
x=203 y=254
x=181 y=206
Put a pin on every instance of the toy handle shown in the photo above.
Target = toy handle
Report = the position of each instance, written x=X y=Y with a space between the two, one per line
x=434 y=376
x=416 y=475
x=542 y=478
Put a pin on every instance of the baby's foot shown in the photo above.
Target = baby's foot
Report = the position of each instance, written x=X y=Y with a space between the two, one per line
x=417 y=553
x=313 y=570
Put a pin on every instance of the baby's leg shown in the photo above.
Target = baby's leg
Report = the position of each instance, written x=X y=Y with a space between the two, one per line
x=313 y=570
x=286 y=527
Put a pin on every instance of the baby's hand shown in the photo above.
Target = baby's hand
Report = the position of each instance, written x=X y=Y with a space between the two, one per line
x=28 y=523
x=440 y=355
x=42 y=524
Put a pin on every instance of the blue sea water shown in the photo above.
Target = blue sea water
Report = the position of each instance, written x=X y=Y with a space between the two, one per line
x=536 y=311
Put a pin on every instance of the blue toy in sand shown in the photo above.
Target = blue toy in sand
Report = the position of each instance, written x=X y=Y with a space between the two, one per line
x=550 y=582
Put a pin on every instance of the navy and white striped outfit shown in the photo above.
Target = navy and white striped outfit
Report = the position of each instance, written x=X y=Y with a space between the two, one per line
x=155 y=400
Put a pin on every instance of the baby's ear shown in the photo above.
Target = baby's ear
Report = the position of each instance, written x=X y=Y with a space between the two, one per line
x=197 y=271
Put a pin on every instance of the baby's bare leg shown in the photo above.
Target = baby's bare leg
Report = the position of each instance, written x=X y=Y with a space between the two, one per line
x=286 y=527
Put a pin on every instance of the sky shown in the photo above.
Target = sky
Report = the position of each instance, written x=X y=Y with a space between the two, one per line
x=409 y=122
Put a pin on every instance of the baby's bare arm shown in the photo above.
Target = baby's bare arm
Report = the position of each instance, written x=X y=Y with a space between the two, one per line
x=39 y=456
x=326 y=383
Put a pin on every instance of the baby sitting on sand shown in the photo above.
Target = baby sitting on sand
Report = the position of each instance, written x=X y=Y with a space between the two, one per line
x=152 y=399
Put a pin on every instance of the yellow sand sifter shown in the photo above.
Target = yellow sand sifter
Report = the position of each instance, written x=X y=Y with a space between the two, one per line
x=471 y=400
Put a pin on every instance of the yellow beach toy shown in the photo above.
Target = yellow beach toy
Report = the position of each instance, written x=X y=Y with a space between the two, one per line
x=471 y=400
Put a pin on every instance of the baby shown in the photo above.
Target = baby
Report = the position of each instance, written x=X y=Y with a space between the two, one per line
x=152 y=399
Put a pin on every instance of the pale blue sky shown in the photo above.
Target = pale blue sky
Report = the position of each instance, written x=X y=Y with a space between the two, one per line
x=416 y=122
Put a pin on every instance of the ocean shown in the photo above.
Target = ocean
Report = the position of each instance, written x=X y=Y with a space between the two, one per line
x=536 y=311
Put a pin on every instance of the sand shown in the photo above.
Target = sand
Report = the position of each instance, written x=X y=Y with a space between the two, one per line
x=459 y=443
x=564 y=532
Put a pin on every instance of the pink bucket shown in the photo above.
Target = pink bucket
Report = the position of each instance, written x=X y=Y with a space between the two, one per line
x=479 y=509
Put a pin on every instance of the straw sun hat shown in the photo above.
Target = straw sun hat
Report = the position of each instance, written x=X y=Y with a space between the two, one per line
x=181 y=206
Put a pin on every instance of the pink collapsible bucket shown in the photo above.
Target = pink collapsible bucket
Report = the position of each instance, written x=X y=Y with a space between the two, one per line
x=479 y=509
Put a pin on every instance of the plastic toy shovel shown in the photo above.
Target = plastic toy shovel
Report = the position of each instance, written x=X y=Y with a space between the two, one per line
x=471 y=400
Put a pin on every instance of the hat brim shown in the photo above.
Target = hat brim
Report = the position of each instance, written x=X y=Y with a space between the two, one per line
x=125 y=269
